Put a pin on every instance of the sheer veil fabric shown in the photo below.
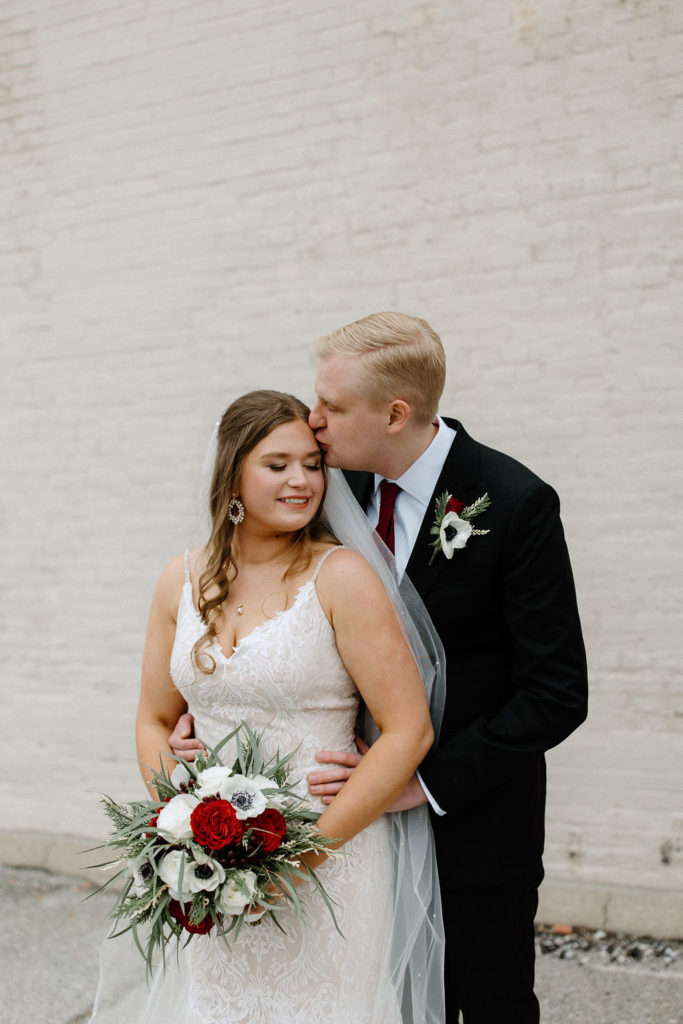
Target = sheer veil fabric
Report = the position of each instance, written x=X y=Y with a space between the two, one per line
x=416 y=939
x=417 y=930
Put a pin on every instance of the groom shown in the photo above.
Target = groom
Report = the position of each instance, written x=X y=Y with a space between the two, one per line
x=504 y=605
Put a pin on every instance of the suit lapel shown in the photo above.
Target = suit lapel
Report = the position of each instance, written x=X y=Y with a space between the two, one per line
x=361 y=485
x=459 y=477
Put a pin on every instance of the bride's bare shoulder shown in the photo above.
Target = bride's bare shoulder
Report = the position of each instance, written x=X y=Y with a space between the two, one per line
x=172 y=572
x=173 y=575
x=346 y=569
x=350 y=591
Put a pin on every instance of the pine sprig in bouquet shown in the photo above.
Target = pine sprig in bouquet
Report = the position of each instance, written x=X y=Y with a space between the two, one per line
x=219 y=841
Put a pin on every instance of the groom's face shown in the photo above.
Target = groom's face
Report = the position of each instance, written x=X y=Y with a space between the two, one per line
x=349 y=429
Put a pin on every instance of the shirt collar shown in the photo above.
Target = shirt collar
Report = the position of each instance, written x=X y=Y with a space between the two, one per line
x=419 y=480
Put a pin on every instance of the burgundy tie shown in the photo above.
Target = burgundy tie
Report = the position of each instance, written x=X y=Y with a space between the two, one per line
x=385 y=524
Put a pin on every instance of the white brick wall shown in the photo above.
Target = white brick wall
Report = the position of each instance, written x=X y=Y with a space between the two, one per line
x=193 y=190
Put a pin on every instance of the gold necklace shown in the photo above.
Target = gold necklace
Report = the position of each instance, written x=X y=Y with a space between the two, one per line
x=240 y=607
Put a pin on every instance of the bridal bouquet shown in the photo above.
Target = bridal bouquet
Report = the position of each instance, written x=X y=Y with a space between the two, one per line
x=219 y=841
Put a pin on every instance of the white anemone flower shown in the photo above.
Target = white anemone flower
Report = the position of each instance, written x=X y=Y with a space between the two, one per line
x=232 y=899
x=276 y=800
x=180 y=776
x=209 y=781
x=245 y=796
x=174 y=817
x=454 y=533
x=169 y=872
x=203 y=877
x=141 y=871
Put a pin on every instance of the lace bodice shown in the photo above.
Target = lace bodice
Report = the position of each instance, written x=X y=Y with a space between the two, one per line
x=285 y=679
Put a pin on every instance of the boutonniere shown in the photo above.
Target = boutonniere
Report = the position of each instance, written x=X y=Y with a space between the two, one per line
x=452 y=527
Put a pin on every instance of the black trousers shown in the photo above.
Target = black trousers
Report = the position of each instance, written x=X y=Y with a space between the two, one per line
x=490 y=954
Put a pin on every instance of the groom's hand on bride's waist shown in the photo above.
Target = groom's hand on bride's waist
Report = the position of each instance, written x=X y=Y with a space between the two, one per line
x=182 y=740
x=326 y=784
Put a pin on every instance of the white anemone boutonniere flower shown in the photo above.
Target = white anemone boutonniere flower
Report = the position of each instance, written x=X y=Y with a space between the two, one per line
x=452 y=527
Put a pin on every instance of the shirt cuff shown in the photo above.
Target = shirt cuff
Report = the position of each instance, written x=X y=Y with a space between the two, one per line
x=432 y=802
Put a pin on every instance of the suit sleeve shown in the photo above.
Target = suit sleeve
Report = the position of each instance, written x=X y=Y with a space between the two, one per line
x=548 y=684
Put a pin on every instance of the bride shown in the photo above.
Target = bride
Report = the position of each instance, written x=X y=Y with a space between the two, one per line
x=273 y=622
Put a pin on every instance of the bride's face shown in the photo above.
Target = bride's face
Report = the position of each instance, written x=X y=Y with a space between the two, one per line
x=281 y=483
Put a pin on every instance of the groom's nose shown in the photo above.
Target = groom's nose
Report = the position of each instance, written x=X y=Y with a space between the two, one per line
x=316 y=418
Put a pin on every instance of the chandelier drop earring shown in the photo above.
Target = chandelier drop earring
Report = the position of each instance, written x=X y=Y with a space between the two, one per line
x=235 y=511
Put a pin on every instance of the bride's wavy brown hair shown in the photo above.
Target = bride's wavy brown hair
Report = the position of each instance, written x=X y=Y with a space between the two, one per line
x=244 y=424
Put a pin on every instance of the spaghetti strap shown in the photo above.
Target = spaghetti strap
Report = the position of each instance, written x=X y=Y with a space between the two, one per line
x=187 y=566
x=321 y=560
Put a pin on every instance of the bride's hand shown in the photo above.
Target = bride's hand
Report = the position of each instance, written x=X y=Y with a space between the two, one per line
x=253 y=912
x=327 y=784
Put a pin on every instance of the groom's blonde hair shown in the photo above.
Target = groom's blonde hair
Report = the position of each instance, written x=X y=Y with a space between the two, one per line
x=399 y=356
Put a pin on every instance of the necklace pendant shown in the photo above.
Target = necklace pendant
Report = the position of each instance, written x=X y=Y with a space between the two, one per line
x=240 y=609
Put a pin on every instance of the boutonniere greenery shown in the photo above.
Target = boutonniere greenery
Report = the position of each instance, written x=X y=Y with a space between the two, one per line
x=452 y=527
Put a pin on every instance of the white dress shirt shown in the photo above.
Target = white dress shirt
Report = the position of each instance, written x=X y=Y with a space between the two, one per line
x=417 y=486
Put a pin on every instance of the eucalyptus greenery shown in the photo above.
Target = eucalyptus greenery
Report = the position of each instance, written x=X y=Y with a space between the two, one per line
x=146 y=907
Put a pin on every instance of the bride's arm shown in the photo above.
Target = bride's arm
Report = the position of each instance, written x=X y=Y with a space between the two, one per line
x=379 y=661
x=160 y=702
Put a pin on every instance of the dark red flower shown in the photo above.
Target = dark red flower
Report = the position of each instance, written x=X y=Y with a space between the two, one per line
x=155 y=818
x=454 y=505
x=215 y=824
x=268 y=829
x=176 y=910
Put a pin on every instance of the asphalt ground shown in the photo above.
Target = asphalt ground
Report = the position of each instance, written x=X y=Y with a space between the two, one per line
x=50 y=939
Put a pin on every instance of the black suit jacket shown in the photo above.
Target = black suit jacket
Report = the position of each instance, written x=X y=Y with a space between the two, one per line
x=505 y=609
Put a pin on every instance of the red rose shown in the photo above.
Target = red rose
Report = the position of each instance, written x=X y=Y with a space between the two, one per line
x=176 y=910
x=453 y=505
x=215 y=824
x=268 y=829
x=155 y=818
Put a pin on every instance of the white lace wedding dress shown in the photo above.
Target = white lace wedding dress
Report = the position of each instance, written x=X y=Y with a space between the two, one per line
x=287 y=680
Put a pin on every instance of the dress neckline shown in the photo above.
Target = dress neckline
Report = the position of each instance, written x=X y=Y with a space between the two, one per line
x=216 y=645
x=262 y=626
